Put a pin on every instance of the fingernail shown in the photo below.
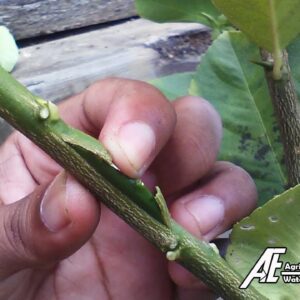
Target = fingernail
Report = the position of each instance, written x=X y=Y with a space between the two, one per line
x=207 y=211
x=53 y=209
x=137 y=141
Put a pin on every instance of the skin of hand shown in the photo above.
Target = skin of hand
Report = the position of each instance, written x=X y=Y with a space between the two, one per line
x=53 y=243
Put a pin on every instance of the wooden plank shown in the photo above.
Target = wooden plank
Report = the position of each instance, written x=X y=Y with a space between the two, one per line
x=28 y=18
x=137 y=49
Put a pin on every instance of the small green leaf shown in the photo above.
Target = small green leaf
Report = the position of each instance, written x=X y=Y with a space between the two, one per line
x=276 y=224
x=97 y=156
x=77 y=138
x=164 y=210
x=238 y=90
x=9 y=52
x=294 y=61
x=202 y=11
x=271 y=24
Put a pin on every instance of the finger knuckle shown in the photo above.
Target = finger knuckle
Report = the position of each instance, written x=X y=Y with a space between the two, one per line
x=13 y=229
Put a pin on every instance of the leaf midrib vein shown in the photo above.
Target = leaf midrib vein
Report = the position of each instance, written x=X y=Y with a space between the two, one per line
x=258 y=113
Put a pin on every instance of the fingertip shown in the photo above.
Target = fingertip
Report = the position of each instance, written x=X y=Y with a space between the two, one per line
x=226 y=195
x=69 y=214
x=132 y=147
x=139 y=123
x=47 y=226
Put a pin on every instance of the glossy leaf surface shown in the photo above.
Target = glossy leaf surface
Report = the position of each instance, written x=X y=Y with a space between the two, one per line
x=271 y=24
x=174 y=86
x=276 y=224
x=238 y=90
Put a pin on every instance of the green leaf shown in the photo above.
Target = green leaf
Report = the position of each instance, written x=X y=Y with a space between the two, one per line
x=238 y=90
x=9 y=52
x=202 y=11
x=294 y=61
x=174 y=86
x=271 y=24
x=276 y=224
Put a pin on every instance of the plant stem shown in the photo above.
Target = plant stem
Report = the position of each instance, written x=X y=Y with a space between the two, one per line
x=22 y=110
x=287 y=110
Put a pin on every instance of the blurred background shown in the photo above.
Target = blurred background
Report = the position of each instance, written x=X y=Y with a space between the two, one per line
x=66 y=45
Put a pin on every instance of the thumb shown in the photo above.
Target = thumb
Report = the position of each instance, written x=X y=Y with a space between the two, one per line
x=46 y=226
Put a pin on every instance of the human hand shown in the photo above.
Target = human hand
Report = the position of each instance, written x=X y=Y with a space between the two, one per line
x=52 y=245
